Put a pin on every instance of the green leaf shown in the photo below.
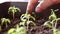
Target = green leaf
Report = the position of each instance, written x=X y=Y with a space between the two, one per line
x=18 y=9
x=13 y=10
x=4 y=20
x=28 y=22
x=21 y=30
x=22 y=23
x=52 y=16
x=11 y=30
x=57 y=32
x=47 y=24
x=23 y=17
x=58 y=19
x=32 y=18
x=8 y=20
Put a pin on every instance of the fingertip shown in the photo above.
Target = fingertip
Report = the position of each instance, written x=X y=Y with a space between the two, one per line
x=38 y=9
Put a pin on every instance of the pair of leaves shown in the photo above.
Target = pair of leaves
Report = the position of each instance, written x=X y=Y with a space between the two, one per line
x=11 y=31
x=13 y=9
x=18 y=30
x=28 y=22
x=25 y=17
x=53 y=15
x=4 y=20
x=52 y=18
x=48 y=24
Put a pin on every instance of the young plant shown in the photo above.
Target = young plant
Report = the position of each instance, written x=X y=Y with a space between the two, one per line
x=25 y=18
x=52 y=22
x=13 y=10
x=5 y=21
x=18 y=30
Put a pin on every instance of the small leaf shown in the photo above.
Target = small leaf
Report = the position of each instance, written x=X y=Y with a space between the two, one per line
x=21 y=30
x=32 y=18
x=22 y=23
x=58 y=19
x=2 y=20
x=47 y=24
x=52 y=16
x=23 y=17
x=9 y=21
x=57 y=32
x=31 y=22
x=11 y=30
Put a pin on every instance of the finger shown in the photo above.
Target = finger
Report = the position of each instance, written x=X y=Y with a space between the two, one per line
x=43 y=5
x=31 y=5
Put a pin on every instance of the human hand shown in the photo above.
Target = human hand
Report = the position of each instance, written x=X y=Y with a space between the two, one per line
x=41 y=6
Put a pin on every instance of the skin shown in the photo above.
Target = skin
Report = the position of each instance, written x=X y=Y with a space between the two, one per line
x=41 y=6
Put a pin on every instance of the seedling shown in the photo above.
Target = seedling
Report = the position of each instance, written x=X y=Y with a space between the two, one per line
x=52 y=22
x=18 y=30
x=5 y=21
x=13 y=10
x=25 y=18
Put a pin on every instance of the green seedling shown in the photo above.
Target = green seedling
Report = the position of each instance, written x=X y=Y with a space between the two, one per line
x=5 y=21
x=18 y=30
x=13 y=10
x=25 y=18
x=52 y=22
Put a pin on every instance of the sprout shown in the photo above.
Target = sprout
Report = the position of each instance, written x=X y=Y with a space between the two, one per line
x=12 y=30
x=13 y=10
x=4 y=20
x=52 y=23
x=25 y=18
x=18 y=30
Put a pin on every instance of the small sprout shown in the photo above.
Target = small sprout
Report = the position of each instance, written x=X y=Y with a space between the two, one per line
x=4 y=20
x=48 y=24
x=52 y=23
x=13 y=10
x=21 y=30
x=25 y=18
x=18 y=30
x=52 y=16
x=12 y=30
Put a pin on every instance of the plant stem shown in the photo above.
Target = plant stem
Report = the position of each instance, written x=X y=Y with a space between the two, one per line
x=13 y=15
x=56 y=24
x=0 y=28
x=27 y=27
x=54 y=27
x=54 y=30
x=6 y=25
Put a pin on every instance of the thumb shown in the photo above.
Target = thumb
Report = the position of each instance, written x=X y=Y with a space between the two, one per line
x=43 y=5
